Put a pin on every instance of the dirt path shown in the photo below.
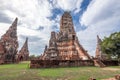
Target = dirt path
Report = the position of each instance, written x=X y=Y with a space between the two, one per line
x=111 y=69
x=109 y=79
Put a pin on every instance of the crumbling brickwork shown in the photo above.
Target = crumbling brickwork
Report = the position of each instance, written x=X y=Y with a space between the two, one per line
x=64 y=45
x=99 y=54
x=9 y=44
x=23 y=54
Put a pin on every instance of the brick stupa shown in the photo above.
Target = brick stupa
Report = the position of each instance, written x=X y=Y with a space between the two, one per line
x=9 y=44
x=99 y=54
x=23 y=54
x=64 y=45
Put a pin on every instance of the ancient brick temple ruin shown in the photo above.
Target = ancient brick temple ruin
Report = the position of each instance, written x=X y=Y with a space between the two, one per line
x=98 y=48
x=23 y=54
x=101 y=59
x=99 y=53
x=64 y=47
x=9 y=44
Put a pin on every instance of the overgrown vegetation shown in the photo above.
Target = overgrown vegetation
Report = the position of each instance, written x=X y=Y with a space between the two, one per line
x=33 y=57
x=22 y=71
x=111 y=45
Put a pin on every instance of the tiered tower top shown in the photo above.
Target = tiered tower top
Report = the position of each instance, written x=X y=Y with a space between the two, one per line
x=66 y=23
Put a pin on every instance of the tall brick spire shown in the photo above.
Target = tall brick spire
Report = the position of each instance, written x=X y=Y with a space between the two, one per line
x=51 y=52
x=99 y=54
x=10 y=37
x=66 y=23
x=11 y=33
x=98 y=48
x=24 y=52
x=10 y=42
x=52 y=41
x=25 y=46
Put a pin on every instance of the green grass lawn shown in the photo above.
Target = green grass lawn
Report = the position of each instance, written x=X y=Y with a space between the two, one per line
x=22 y=71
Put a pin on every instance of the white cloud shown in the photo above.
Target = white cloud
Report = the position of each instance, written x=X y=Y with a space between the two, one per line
x=68 y=5
x=102 y=18
x=31 y=15
x=100 y=10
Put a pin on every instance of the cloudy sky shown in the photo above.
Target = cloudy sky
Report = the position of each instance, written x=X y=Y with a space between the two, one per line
x=37 y=18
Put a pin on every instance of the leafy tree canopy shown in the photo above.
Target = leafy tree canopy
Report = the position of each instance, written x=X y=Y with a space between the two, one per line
x=111 y=45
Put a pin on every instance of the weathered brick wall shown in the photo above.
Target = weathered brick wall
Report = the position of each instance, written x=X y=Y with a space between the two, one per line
x=59 y=63
x=111 y=62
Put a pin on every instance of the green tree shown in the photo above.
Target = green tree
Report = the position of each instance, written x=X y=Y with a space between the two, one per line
x=32 y=57
x=111 y=45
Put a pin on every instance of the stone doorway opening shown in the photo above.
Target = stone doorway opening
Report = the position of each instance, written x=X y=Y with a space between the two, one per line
x=21 y=58
x=73 y=37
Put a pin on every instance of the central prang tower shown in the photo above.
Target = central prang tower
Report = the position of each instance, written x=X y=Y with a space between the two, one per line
x=66 y=24
x=65 y=45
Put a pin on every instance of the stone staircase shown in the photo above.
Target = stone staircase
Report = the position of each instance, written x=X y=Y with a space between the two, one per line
x=99 y=63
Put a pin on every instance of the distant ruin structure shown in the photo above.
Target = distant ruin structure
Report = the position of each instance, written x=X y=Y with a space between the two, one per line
x=23 y=54
x=99 y=54
x=9 y=44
